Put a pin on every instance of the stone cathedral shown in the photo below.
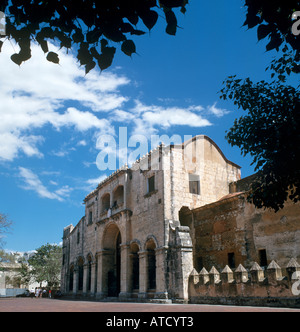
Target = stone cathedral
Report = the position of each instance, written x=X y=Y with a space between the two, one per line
x=179 y=208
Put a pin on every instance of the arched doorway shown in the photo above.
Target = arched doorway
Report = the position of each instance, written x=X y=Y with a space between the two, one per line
x=71 y=278
x=135 y=266
x=150 y=247
x=89 y=273
x=112 y=261
x=80 y=264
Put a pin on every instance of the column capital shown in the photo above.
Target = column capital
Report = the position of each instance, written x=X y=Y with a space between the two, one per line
x=124 y=246
x=143 y=253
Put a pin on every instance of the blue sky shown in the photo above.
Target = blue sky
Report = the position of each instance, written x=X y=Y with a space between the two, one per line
x=52 y=115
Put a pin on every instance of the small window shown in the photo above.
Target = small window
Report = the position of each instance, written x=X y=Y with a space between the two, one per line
x=194 y=183
x=78 y=237
x=151 y=184
x=263 y=258
x=231 y=260
x=90 y=218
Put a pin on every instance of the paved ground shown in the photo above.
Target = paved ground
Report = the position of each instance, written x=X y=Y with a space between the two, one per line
x=51 y=305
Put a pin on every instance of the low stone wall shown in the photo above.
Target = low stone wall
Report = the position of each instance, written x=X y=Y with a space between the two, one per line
x=273 y=287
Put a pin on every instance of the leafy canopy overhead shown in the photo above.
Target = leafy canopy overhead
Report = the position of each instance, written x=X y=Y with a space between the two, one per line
x=88 y=25
x=274 y=20
x=270 y=129
x=269 y=132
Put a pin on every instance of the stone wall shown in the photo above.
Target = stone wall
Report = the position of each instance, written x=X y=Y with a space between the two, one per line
x=232 y=229
x=247 y=287
x=132 y=219
x=203 y=158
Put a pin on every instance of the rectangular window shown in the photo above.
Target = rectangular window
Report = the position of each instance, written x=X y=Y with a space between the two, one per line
x=231 y=260
x=194 y=184
x=151 y=184
x=263 y=258
x=90 y=221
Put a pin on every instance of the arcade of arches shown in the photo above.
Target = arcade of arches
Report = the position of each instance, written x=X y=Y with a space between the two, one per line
x=117 y=270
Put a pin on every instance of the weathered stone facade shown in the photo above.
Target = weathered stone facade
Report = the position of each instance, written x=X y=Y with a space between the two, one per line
x=130 y=243
x=232 y=231
x=149 y=229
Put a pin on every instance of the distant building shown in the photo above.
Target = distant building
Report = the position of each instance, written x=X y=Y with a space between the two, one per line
x=9 y=283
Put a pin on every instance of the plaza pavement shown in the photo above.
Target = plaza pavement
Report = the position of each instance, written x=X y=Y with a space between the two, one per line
x=53 y=305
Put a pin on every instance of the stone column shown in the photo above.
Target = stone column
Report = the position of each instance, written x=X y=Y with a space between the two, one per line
x=161 y=259
x=125 y=272
x=75 y=281
x=143 y=281
x=100 y=293
x=184 y=256
x=93 y=279
x=85 y=279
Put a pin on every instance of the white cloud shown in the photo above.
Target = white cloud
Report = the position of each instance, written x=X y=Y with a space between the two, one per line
x=148 y=118
x=33 y=96
x=218 y=112
x=12 y=143
x=91 y=184
x=96 y=181
x=32 y=182
x=82 y=143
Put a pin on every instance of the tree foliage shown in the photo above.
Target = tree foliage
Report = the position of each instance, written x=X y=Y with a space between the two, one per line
x=46 y=264
x=5 y=225
x=270 y=133
x=6 y=257
x=89 y=26
x=270 y=130
x=273 y=20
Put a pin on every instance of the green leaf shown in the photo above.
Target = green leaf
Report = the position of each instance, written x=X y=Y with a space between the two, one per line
x=53 y=57
x=43 y=43
x=172 y=22
x=17 y=59
x=128 y=47
x=78 y=36
x=106 y=58
x=89 y=66
x=275 y=42
x=149 y=19
x=263 y=31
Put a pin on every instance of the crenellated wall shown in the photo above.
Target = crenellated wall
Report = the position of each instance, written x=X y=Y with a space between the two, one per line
x=274 y=286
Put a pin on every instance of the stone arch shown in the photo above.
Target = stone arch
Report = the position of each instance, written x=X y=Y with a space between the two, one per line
x=80 y=267
x=71 y=277
x=105 y=202
x=89 y=260
x=135 y=265
x=118 y=197
x=150 y=247
x=90 y=257
x=136 y=242
x=151 y=238
x=110 y=234
x=111 y=263
x=185 y=216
